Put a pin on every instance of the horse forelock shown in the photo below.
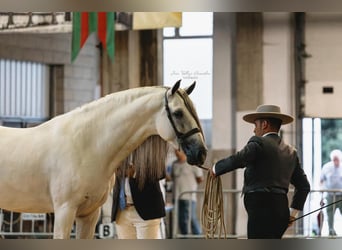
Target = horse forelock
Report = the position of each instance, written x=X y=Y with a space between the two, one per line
x=190 y=106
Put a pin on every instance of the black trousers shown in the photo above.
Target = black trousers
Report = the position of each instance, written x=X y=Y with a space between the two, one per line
x=268 y=215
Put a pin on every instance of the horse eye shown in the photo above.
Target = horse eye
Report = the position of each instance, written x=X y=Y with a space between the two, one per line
x=178 y=114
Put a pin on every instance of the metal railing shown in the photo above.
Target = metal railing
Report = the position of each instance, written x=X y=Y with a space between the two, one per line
x=28 y=225
x=314 y=225
x=23 y=225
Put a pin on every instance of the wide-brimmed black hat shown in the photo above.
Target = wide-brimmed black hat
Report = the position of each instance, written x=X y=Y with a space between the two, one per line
x=268 y=111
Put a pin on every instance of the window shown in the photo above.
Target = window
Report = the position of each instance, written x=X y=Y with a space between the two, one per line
x=24 y=91
x=188 y=53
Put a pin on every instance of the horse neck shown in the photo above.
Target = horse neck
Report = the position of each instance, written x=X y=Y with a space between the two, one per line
x=110 y=128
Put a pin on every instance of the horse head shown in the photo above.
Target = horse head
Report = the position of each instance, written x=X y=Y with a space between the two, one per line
x=182 y=126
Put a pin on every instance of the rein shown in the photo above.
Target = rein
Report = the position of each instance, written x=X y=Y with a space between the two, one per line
x=180 y=136
x=212 y=216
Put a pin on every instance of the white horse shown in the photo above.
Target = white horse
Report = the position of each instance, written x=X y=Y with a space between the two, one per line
x=66 y=164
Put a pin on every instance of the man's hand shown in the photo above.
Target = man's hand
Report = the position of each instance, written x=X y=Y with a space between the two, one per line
x=293 y=216
x=291 y=221
x=212 y=172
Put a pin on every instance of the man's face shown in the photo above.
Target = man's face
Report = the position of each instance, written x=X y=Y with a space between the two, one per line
x=336 y=161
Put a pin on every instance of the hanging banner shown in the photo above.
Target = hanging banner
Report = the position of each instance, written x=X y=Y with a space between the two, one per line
x=85 y=23
x=156 y=20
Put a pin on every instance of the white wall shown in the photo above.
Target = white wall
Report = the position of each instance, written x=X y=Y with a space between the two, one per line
x=222 y=129
x=323 y=39
x=278 y=65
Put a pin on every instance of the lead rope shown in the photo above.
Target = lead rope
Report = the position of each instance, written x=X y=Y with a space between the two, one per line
x=212 y=216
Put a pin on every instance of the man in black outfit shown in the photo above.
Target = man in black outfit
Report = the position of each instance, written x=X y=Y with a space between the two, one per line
x=270 y=166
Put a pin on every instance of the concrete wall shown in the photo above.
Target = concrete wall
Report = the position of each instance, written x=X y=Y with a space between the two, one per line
x=79 y=78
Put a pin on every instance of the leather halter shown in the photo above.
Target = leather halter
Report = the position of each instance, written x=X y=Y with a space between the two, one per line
x=180 y=136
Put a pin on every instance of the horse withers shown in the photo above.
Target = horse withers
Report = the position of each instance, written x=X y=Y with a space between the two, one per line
x=66 y=165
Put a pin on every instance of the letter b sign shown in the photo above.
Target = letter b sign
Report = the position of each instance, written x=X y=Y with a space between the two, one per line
x=106 y=230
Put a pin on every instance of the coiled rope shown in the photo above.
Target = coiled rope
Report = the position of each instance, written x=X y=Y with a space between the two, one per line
x=212 y=216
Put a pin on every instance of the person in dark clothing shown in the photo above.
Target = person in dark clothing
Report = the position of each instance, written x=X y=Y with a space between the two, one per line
x=139 y=214
x=141 y=218
x=271 y=166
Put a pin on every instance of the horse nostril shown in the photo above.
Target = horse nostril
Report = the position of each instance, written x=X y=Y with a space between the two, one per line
x=202 y=155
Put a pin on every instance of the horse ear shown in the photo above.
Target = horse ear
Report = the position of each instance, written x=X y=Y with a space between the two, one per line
x=175 y=87
x=189 y=89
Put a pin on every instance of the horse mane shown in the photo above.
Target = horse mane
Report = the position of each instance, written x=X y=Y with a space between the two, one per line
x=123 y=96
x=148 y=160
x=117 y=98
x=189 y=104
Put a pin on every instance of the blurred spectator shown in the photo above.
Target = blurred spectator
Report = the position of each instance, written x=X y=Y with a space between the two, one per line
x=186 y=178
x=331 y=178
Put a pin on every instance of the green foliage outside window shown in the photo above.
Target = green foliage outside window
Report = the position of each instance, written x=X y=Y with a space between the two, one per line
x=331 y=131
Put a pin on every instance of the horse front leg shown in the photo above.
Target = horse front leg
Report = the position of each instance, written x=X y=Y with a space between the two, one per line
x=64 y=220
x=85 y=225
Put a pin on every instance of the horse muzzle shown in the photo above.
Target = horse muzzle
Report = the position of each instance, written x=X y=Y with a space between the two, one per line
x=195 y=155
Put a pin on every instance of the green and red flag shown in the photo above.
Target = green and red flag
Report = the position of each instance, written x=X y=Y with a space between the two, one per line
x=85 y=23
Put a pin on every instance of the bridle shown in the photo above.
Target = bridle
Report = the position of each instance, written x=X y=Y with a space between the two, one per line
x=180 y=136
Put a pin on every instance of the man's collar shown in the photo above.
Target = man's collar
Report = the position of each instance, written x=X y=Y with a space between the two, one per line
x=270 y=133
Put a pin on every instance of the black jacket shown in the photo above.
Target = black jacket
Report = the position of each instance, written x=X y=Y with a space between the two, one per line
x=149 y=202
x=269 y=162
